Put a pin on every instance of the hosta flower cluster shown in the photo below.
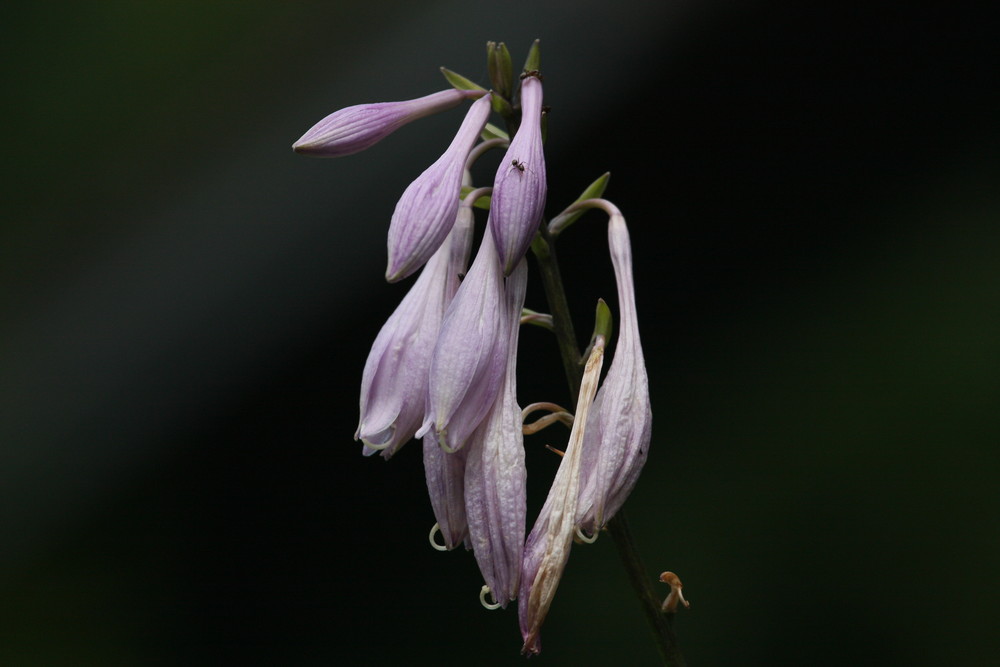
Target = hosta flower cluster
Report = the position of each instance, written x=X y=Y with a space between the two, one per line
x=443 y=367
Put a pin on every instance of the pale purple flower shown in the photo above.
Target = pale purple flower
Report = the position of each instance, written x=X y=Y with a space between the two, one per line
x=519 y=187
x=547 y=547
x=470 y=354
x=618 y=432
x=353 y=129
x=495 y=474
x=426 y=210
x=445 y=474
x=394 y=382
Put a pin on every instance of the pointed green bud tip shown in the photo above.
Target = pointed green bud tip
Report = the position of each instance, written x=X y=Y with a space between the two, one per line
x=593 y=191
x=533 y=62
x=500 y=68
x=460 y=82
x=603 y=321
x=596 y=189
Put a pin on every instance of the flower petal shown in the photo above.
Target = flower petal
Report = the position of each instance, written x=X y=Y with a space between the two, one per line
x=495 y=474
x=425 y=212
x=519 y=188
x=355 y=128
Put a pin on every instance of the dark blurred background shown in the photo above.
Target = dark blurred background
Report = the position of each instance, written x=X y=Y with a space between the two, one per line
x=186 y=306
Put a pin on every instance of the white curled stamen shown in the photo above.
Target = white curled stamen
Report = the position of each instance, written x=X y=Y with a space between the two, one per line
x=377 y=448
x=436 y=528
x=582 y=536
x=482 y=598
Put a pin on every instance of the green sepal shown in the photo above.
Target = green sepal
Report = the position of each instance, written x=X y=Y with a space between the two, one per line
x=459 y=81
x=500 y=68
x=501 y=106
x=491 y=131
x=534 y=59
x=594 y=191
x=483 y=202
x=604 y=325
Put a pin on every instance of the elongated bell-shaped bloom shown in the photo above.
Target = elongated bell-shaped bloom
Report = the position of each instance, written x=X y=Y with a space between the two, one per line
x=547 y=547
x=353 y=129
x=519 y=187
x=470 y=354
x=426 y=210
x=495 y=474
x=394 y=382
x=445 y=474
x=618 y=434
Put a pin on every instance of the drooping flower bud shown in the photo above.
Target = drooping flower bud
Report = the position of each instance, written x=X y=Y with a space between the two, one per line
x=426 y=210
x=617 y=440
x=495 y=475
x=353 y=129
x=470 y=353
x=445 y=474
x=519 y=187
x=547 y=547
x=394 y=382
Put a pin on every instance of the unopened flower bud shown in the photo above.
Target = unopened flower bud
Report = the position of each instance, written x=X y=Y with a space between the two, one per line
x=394 y=382
x=353 y=129
x=519 y=187
x=445 y=474
x=470 y=353
x=426 y=211
x=495 y=476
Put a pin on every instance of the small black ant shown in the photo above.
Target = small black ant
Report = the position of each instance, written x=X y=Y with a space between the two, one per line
x=517 y=163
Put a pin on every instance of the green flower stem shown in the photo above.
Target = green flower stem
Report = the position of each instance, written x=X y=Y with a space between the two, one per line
x=660 y=623
x=562 y=323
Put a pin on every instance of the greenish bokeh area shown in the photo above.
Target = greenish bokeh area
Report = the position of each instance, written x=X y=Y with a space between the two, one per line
x=186 y=307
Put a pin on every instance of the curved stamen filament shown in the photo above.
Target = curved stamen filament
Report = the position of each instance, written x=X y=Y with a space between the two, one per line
x=436 y=528
x=535 y=407
x=583 y=537
x=482 y=598
x=546 y=421
x=377 y=448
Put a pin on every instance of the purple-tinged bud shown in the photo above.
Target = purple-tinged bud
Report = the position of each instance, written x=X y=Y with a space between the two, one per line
x=394 y=382
x=470 y=354
x=425 y=212
x=353 y=129
x=547 y=547
x=617 y=440
x=445 y=473
x=519 y=186
x=495 y=496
